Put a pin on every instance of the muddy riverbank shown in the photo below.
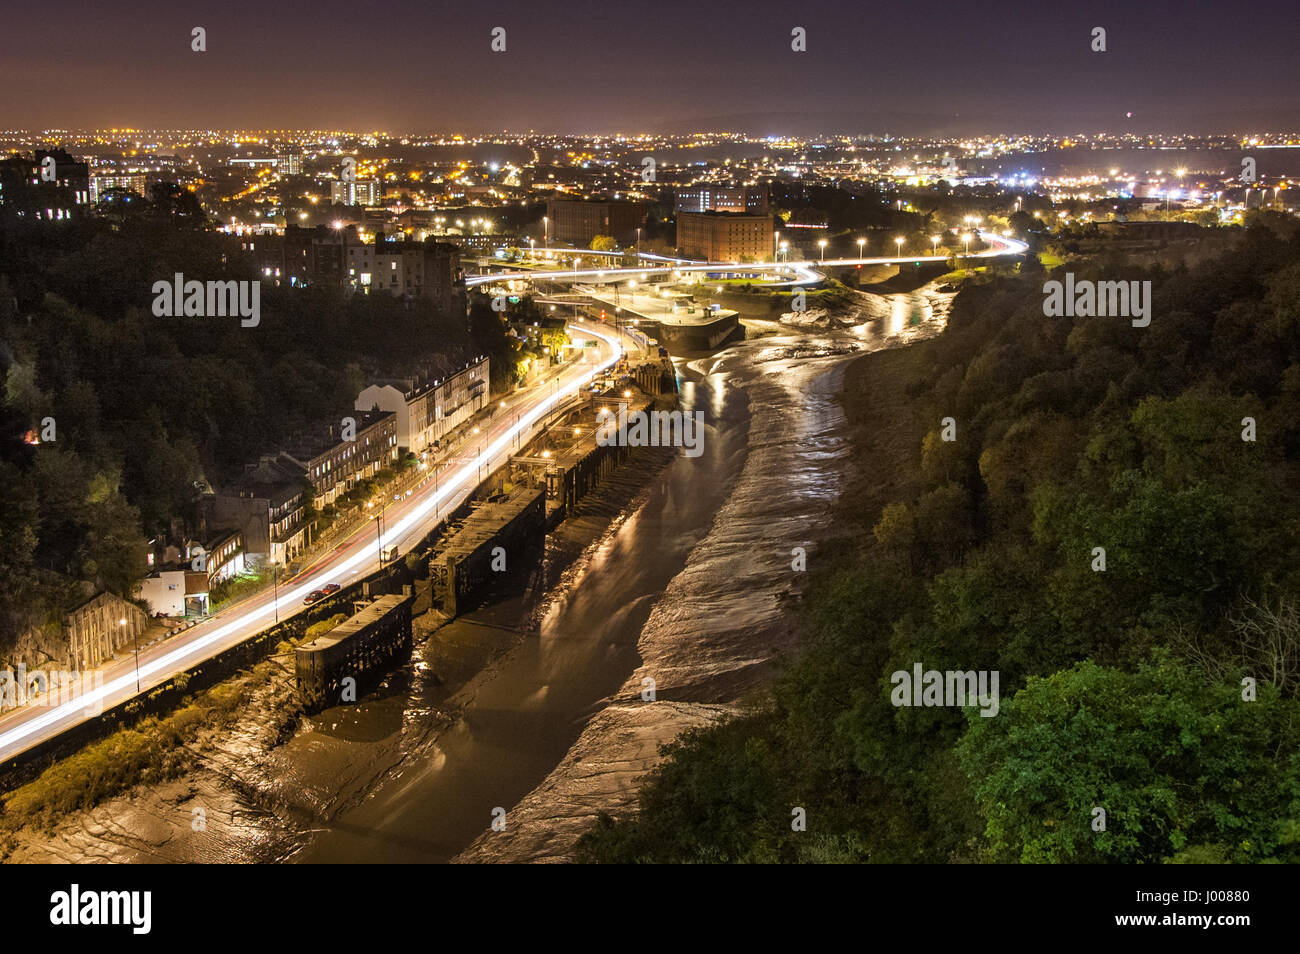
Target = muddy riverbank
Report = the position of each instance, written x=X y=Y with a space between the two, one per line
x=727 y=619
x=679 y=570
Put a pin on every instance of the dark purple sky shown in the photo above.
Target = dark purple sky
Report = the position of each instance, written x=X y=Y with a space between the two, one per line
x=625 y=65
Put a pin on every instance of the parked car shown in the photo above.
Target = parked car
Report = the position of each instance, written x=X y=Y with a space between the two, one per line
x=313 y=597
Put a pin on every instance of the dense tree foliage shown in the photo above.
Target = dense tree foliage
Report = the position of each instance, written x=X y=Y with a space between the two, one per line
x=1121 y=688
x=147 y=411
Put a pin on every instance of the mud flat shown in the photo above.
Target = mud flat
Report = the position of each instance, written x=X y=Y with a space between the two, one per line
x=724 y=621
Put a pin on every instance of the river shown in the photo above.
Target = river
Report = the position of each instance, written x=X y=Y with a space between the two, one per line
x=691 y=588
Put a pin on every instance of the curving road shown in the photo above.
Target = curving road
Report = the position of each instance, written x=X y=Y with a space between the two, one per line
x=405 y=522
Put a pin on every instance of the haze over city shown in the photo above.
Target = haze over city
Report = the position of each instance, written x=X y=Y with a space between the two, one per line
x=955 y=68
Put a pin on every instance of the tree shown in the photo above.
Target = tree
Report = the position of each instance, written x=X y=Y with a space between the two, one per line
x=1172 y=761
x=603 y=243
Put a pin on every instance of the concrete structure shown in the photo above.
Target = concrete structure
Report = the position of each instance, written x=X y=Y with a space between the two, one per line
x=288 y=162
x=357 y=192
x=429 y=270
x=678 y=322
x=577 y=222
x=462 y=563
x=426 y=409
x=134 y=182
x=96 y=632
x=725 y=237
x=353 y=649
x=716 y=198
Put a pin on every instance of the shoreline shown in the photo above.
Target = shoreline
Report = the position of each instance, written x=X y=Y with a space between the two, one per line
x=261 y=780
x=709 y=659
x=265 y=795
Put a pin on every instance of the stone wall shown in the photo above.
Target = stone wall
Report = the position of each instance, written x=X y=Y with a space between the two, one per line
x=95 y=632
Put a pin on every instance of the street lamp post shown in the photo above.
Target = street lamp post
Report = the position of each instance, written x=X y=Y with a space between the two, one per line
x=934 y=244
x=899 y=243
x=122 y=622
x=861 y=243
x=822 y=243
x=270 y=550
x=379 y=519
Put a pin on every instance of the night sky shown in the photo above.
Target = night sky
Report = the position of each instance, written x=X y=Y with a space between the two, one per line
x=622 y=65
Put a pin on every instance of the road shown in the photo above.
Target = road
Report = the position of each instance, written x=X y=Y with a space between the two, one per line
x=405 y=522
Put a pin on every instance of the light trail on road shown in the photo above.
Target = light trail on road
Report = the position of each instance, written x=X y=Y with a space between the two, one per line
x=36 y=723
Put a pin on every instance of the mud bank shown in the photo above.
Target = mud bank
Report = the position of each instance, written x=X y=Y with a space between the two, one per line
x=257 y=788
x=724 y=621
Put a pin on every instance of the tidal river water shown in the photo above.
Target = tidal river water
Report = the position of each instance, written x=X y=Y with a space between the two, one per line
x=682 y=586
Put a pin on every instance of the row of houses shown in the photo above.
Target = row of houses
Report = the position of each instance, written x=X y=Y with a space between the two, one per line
x=264 y=514
x=428 y=408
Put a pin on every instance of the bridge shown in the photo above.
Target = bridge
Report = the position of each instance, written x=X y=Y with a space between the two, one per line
x=782 y=273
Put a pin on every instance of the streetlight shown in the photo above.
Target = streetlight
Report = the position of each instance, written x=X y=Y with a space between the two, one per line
x=379 y=519
x=122 y=622
x=861 y=242
x=934 y=244
x=966 y=239
x=546 y=232
x=270 y=550
x=822 y=243
x=899 y=243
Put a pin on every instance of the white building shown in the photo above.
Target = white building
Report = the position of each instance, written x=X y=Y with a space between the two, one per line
x=365 y=192
x=175 y=591
x=427 y=409
x=101 y=184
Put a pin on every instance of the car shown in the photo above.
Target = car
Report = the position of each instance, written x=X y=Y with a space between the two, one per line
x=312 y=597
x=329 y=589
